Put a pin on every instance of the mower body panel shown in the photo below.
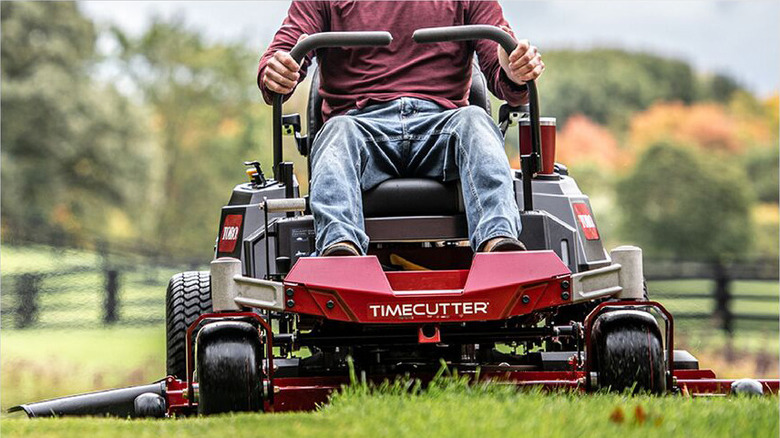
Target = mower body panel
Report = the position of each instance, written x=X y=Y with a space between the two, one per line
x=356 y=289
x=242 y=231
x=559 y=198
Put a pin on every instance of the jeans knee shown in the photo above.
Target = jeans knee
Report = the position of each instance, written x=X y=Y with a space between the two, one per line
x=340 y=130
x=473 y=122
x=337 y=127
x=472 y=114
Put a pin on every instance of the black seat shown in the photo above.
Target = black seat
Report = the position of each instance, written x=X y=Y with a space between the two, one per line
x=413 y=197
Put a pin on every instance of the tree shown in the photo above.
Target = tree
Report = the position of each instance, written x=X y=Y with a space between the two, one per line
x=680 y=202
x=582 y=140
x=70 y=144
x=762 y=167
x=609 y=85
x=707 y=126
x=208 y=119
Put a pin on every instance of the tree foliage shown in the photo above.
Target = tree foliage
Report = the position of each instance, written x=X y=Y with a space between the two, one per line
x=710 y=126
x=583 y=140
x=761 y=165
x=707 y=126
x=610 y=85
x=70 y=144
x=679 y=202
x=207 y=119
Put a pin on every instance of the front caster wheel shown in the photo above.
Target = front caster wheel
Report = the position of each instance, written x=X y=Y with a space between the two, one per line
x=229 y=366
x=629 y=352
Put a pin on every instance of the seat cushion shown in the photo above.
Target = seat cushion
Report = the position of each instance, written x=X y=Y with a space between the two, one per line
x=413 y=197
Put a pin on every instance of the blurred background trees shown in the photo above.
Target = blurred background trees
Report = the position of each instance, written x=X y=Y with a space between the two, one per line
x=140 y=143
x=685 y=205
x=74 y=151
x=206 y=119
x=610 y=85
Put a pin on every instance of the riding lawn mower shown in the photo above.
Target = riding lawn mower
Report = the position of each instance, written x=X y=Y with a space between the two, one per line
x=273 y=327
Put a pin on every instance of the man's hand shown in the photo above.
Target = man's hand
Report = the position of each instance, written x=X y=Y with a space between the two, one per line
x=281 y=73
x=523 y=64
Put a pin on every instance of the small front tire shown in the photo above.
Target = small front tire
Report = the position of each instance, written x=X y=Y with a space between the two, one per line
x=629 y=352
x=229 y=366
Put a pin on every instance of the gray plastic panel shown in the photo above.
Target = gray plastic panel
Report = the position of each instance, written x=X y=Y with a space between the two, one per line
x=246 y=199
x=295 y=237
x=543 y=231
x=556 y=196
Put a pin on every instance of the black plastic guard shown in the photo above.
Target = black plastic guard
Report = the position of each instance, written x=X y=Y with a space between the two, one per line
x=113 y=402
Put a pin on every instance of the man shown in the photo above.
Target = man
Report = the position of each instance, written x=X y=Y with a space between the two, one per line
x=402 y=110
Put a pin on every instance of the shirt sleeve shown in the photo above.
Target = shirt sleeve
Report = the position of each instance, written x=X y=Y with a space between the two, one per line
x=483 y=12
x=303 y=17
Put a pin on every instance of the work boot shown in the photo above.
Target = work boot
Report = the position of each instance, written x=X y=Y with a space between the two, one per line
x=501 y=244
x=341 y=249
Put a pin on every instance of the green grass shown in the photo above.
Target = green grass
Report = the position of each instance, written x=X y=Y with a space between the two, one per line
x=452 y=411
x=41 y=364
x=21 y=259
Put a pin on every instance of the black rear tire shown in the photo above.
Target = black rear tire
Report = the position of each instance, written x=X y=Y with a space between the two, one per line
x=631 y=357
x=229 y=364
x=188 y=296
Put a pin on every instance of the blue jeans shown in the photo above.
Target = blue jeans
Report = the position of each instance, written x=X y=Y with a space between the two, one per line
x=410 y=137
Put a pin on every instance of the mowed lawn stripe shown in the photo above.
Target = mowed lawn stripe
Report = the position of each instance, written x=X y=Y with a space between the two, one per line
x=453 y=413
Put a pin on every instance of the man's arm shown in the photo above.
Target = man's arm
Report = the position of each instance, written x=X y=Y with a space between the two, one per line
x=505 y=76
x=277 y=71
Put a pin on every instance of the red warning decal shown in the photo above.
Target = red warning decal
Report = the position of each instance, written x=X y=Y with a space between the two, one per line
x=586 y=220
x=229 y=235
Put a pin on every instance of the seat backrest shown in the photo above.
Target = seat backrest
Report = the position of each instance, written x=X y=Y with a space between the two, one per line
x=478 y=95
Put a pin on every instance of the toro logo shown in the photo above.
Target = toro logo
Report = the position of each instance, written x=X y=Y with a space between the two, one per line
x=430 y=310
x=586 y=221
x=230 y=230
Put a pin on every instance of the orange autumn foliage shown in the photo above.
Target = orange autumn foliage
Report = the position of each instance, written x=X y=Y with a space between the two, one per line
x=708 y=126
x=772 y=109
x=583 y=140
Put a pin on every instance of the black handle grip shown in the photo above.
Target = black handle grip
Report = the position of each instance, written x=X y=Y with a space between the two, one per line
x=339 y=39
x=464 y=33
x=532 y=163
x=314 y=42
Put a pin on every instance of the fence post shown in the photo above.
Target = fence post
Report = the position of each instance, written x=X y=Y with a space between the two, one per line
x=27 y=290
x=722 y=295
x=111 y=303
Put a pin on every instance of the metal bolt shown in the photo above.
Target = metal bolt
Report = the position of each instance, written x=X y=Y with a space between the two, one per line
x=526 y=299
x=565 y=284
x=565 y=296
x=290 y=303
x=290 y=292
x=330 y=304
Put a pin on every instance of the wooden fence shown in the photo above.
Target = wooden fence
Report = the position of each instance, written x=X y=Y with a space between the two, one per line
x=723 y=275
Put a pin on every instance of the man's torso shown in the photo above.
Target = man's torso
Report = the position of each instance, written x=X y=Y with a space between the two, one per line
x=361 y=76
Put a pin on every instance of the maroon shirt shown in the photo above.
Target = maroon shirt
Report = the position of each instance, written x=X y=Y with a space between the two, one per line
x=356 y=77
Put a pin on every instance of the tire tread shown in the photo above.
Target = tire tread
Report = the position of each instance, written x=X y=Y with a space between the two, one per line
x=188 y=296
